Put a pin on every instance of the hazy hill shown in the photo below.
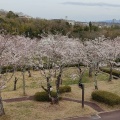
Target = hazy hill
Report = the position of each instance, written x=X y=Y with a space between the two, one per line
x=112 y=21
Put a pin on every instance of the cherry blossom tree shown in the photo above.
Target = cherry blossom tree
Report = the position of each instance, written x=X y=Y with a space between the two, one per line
x=4 y=61
x=49 y=56
x=15 y=51
x=21 y=55
x=104 y=50
x=52 y=53
x=108 y=50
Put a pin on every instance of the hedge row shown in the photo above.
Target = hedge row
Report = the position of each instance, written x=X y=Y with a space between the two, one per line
x=106 y=97
x=114 y=72
x=10 y=68
x=43 y=96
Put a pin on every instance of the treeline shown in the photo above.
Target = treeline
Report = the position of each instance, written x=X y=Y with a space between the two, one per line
x=14 y=24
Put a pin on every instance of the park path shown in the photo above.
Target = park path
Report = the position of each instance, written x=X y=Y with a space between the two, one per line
x=90 y=104
x=111 y=115
x=19 y=99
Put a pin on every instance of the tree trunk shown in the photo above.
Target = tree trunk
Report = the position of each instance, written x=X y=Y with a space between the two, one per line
x=15 y=83
x=95 y=81
x=1 y=107
x=61 y=81
x=58 y=81
x=55 y=74
x=80 y=73
x=111 y=69
x=48 y=87
x=48 y=90
x=90 y=70
x=54 y=100
x=81 y=76
x=29 y=73
x=58 y=85
x=23 y=74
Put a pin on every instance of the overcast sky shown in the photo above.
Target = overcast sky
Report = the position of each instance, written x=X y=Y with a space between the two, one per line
x=79 y=10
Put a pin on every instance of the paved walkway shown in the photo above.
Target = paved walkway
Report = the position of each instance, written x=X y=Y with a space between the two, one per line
x=18 y=99
x=92 y=105
x=113 y=115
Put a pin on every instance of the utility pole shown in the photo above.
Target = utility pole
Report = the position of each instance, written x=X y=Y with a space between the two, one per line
x=82 y=87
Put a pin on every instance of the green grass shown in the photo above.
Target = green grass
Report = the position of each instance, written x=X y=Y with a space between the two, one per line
x=86 y=79
x=102 y=76
x=67 y=79
x=68 y=72
x=70 y=82
x=33 y=84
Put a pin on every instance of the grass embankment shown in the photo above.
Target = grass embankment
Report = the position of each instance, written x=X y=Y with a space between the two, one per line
x=37 y=110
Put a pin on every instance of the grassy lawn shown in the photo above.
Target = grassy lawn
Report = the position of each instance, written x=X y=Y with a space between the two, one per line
x=31 y=110
x=37 y=110
x=71 y=76
x=33 y=84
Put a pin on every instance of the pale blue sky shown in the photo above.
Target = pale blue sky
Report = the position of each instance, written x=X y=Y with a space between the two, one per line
x=79 y=10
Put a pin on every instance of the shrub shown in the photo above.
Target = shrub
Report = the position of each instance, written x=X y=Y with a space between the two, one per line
x=106 y=97
x=5 y=69
x=117 y=60
x=10 y=68
x=64 y=89
x=43 y=96
x=114 y=72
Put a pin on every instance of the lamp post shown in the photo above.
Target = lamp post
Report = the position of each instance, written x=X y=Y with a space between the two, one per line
x=82 y=87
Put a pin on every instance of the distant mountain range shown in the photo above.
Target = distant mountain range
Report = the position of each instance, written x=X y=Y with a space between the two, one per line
x=111 y=21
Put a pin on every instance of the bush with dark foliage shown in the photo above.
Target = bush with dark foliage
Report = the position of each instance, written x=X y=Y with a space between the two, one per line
x=106 y=97
x=43 y=96
x=64 y=89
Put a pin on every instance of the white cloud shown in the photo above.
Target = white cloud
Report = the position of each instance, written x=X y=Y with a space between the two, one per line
x=92 y=4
